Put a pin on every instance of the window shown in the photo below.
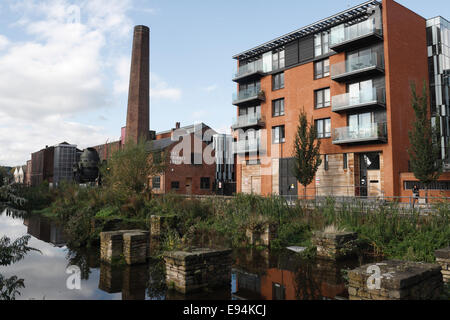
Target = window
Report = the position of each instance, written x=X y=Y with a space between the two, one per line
x=278 y=107
x=371 y=161
x=322 y=98
x=278 y=81
x=278 y=60
x=345 y=161
x=175 y=185
x=278 y=134
x=204 y=183
x=322 y=69
x=321 y=43
x=323 y=127
x=278 y=291
x=156 y=182
x=326 y=159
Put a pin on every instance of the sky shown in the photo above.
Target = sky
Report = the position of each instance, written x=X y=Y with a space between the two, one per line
x=64 y=64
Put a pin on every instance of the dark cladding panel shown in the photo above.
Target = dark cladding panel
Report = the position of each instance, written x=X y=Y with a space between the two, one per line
x=307 y=49
x=292 y=56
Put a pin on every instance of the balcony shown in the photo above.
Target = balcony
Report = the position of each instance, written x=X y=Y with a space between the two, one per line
x=247 y=96
x=359 y=35
x=364 y=99
x=248 y=120
x=248 y=146
x=375 y=132
x=353 y=68
x=249 y=71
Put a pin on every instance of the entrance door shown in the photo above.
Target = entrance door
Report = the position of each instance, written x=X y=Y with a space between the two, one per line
x=189 y=186
x=256 y=185
x=362 y=175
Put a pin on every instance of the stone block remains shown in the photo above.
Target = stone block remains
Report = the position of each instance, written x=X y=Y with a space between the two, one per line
x=443 y=258
x=396 y=280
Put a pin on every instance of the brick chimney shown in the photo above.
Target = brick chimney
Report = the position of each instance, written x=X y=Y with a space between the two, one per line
x=138 y=113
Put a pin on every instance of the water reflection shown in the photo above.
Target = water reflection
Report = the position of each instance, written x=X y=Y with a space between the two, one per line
x=256 y=274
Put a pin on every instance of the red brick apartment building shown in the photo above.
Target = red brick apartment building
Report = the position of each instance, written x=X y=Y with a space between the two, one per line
x=351 y=73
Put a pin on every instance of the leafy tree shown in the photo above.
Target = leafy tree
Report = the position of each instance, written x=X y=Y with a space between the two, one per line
x=306 y=152
x=11 y=252
x=425 y=149
x=128 y=170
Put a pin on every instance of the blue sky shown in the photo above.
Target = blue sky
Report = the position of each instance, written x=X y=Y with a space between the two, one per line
x=63 y=81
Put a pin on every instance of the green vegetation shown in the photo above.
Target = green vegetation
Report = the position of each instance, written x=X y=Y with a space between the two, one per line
x=425 y=151
x=306 y=152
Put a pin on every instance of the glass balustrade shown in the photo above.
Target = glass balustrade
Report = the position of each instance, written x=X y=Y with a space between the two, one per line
x=342 y=34
x=372 y=132
x=249 y=68
x=248 y=146
x=355 y=64
x=247 y=120
x=359 y=98
x=247 y=94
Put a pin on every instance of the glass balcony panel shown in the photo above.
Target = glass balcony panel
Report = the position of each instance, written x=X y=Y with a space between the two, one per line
x=247 y=120
x=249 y=68
x=357 y=63
x=247 y=94
x=341 y=33
x=353 y=133
x=361 y=97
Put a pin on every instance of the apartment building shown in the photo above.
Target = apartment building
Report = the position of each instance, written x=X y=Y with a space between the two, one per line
x=351 y=73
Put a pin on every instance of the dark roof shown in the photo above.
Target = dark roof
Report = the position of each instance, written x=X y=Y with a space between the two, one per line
x=160 y=144
x=349 y=14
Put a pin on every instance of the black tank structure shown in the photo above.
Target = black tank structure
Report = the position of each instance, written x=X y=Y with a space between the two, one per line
x=87 y=169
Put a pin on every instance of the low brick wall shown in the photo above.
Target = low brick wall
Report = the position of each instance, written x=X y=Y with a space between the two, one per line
x=335 y=246
x=198 y=269
x=443 y=258
x=398 y=280
x=132 y=245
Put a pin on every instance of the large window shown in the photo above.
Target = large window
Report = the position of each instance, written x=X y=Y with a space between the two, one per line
x=322 y=69
x=156 y=182
x=278 y=60
x=278 y=107
x=321 y=43
x=322 y=98
x=278 y=81
x=278 y=134
x=205 y=183
x=323 y=127
x=253 y=110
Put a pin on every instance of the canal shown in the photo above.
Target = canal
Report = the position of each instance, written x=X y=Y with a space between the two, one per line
x=256 y=274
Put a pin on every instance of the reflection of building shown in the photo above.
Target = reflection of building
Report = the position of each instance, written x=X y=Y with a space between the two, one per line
x=351 y=73
x=130 y=280
x=290 y=278
x=45 y=230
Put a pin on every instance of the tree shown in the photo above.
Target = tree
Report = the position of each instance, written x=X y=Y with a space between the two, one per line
x=306 y=152
x=425 y=150
x=128 y=170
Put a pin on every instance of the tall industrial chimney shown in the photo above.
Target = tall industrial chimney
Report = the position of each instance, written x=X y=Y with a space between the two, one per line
x=138 y=113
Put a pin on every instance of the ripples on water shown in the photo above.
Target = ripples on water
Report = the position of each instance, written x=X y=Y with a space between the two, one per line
x=257 y=274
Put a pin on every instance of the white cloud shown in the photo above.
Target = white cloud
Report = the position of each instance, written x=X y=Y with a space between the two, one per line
x=210 y=88
x=58 y=72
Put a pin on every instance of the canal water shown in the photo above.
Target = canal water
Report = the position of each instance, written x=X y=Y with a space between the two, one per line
x=256 y=274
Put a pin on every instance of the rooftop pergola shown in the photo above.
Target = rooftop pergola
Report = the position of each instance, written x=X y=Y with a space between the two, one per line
x=356 y=12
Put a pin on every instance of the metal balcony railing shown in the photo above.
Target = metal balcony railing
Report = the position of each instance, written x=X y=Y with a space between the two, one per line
x=366 y=97
x=373 y=132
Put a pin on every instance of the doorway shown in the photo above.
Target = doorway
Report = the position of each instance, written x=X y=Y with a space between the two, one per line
x=188 y=186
